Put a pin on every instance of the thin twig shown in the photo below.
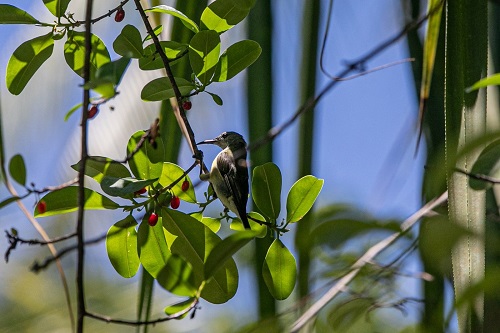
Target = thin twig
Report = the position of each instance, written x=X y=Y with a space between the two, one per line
x=363 y=260
x=479 y=176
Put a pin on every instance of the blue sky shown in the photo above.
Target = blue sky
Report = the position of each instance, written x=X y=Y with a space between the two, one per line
x=365 y=127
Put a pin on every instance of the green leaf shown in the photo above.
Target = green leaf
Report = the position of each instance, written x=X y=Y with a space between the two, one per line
x=213 y=224
x=147 y=162
x=222 y=15
x=26 y=60
x=204 y=50
x=107 y=77
x=74 y=53
x=72 y=110
x=121 y=245
x=194 y=241
x=492 y=80
x=152 y=246
x=172 y=172
x=487 y=164
x=279 y=270
x=157 y=31
x=152 y=59
x=177 y=277
x=160 y=89
x=123 y=187
x=174 y=12
x=179 y=307
x=97 y=167
x=12 y=15
x=17 y=169
x=129 y=42
x=7 y=201
x=65 y=200
x=225 y=250
x=266 y=189
x=216 y=98
x=301 y=197
x=57 y=7
x=236 y=58
x=260 y=229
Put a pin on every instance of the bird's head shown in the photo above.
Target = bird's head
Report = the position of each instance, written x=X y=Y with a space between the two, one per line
x=232 y=140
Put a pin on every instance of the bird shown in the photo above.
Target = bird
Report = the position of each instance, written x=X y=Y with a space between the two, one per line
x=229 y=173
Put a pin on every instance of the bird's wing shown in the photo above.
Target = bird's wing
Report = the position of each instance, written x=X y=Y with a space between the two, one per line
x=235 y=177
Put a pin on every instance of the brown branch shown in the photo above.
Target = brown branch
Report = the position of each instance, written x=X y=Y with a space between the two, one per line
x=198 y=154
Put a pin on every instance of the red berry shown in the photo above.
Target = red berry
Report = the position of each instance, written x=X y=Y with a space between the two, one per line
x=153 y=218
x=120 y=15
x=141 y=191
x=175 y=202
x=187 y=105
x=185 y=186
x=93 y=112
x=41 y=207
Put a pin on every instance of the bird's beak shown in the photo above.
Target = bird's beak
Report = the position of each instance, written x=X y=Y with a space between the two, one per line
x=206 y=142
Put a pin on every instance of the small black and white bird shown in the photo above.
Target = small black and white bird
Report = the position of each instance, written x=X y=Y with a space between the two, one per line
x=229 y=173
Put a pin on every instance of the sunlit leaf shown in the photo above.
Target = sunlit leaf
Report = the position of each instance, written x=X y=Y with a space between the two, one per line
x=279 y=270
x=301 y=197
x=147 y=162
x=160 y=89
x=107 y=77
x=259 y=228
x=65 y=200
x=204 y=50
x=492 y=80
x=152 y=60
x=12 y=15
x=174 y=12
x=236 y=58
x=17 y=169
x=57 y=7
x=266 y=189
x=74 y=53
x=121 y=245
x=152 y=247
x=177 y=277
x=172 y=172
x=26 y=60
x=222 y=15
x=179 y=307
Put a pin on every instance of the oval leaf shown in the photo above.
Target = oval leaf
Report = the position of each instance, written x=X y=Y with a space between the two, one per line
x=301 y=197
x=279 y=270
x=12 y=15
x=160 y=89
x=129 y=42
x=204 y=50
x=147 y=162
x=236 y=58
x=174 y=12
x=97 y=167
x=266 y=189
x=172 y=172
x=176 y=308
x=194 y=241
x=26 y=60
x=65 y=200
x=152 y=247
x=259 y=228
x=74 y=53
x=222 y=15
x=121 y=245
x=17 y=169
